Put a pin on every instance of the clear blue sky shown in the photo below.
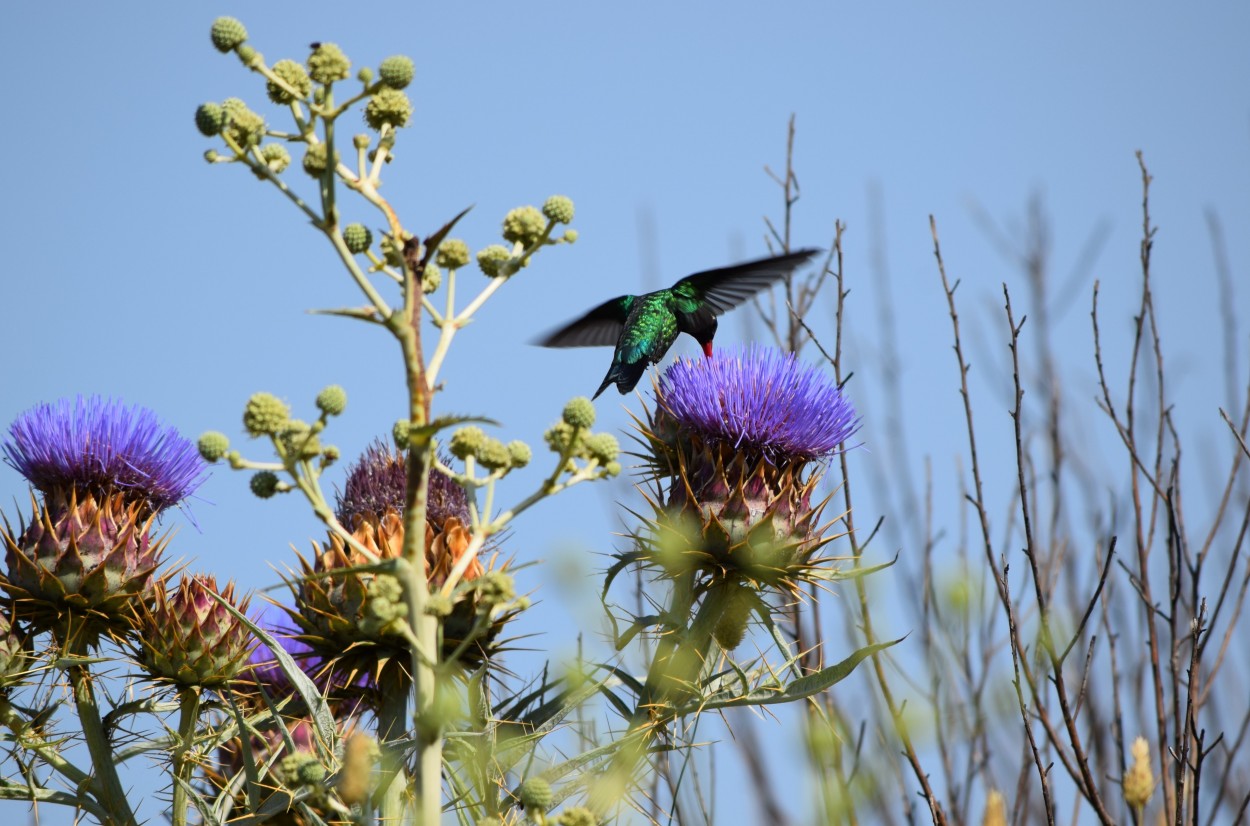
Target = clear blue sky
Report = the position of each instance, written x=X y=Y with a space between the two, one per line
x=132 y=268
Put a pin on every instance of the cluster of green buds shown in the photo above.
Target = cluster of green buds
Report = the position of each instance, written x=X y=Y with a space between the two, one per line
x=528 y=229
x=572 y=439
x=472 y=444
x=296 y=442
x=306 y=88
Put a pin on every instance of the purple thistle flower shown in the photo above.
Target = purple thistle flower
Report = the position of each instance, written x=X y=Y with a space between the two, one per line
x=378 y=482
x=98 y=445
x=758 y=400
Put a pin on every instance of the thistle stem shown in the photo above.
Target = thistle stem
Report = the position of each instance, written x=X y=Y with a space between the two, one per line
x=110 y=792
x=189 y=714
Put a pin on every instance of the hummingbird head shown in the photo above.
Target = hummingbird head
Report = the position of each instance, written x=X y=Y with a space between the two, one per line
x=705 y=336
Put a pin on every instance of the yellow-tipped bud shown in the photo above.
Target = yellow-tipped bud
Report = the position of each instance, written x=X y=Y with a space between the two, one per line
x=1139 y=780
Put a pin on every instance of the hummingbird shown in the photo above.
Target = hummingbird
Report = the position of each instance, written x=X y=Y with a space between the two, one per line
x=643 y=327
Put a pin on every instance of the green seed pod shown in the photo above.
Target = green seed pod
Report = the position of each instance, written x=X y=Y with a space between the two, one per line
x=397 y=71
x=466 y=441
x=579 y=412
x=327 y=64
x=388 y=106
x=209 y=119
x=330 y=455
x=399 y=433
x=576 y=816
x=265 y=484
x=302 y=769
x=491 y=258
x=265 y=414
x=211 y=155
x=604 y=447
x=431 y=278
x=536 y=795
x=275 y=157
x=453 y=254
x=332 y=400
x=299 y=440
x=495 y=588
x=315 y=160
x=243 y=126
x=612 y=468
x=365 y=75
x=492 y=455
x=357 y=237
x=519 y=453
x=525 y=224
x=295 y=76
x=570 y=236
x=558 y=208
x=227 y=33
x=213 y=445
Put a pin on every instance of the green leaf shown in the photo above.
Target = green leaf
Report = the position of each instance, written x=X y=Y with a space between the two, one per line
x=803 y=687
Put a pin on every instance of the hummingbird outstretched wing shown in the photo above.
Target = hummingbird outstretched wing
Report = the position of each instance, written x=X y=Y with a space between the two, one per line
x=717 y=291
x=601 y=326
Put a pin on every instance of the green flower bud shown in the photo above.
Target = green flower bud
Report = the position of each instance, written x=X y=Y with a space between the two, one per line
x=399 y=433
x=209 y=119
x=536 y=795
x=577 y=816
x=265 y=484
x=243 y=126
x=525 y=224
x=491 y=258
x=330 y=455
x=213 y=445
x=558 y=208
x=579 y=412
x=327 y=64
x=265 y=414
x=361 y=141
x=495 y=588
x=560 y=437
x=466 y=441
x=731 y=625
x=519 y=453
x=302 y=769
x=384 y=604
x=492 y=455
x=365 y=75
x=315 y=160
x=357 y=237
x=453 y=254
x=275 y=157
x=299 y=440
x=294 y=76
x=570 y=236
x=211 y=155
x=604 y=447
x=397 y=71
x=388 y=106
x=332 y=400
x=248 y=56
x=612 y=468
x=439 y=605
x=431 y=278
x=227 y=33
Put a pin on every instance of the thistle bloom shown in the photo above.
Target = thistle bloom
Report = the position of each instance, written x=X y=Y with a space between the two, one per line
x=105 y=471
x=758 y=401
x=352 y=619
x=736 y=444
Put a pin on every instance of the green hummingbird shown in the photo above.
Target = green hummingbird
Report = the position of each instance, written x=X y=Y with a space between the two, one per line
x=643 y=327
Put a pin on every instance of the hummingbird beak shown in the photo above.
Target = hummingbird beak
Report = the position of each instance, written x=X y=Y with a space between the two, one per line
x=707 y=349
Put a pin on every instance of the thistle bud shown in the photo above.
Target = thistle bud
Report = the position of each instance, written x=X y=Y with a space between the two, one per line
x=227 y=33
x=397 y=71
x=188 y=637
x=357 y=237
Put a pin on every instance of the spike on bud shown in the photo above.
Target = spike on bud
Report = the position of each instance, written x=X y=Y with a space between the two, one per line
x=189 y=637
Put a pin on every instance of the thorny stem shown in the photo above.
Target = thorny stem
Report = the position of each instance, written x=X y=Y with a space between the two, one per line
x=111 y=794
x=183 y=765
